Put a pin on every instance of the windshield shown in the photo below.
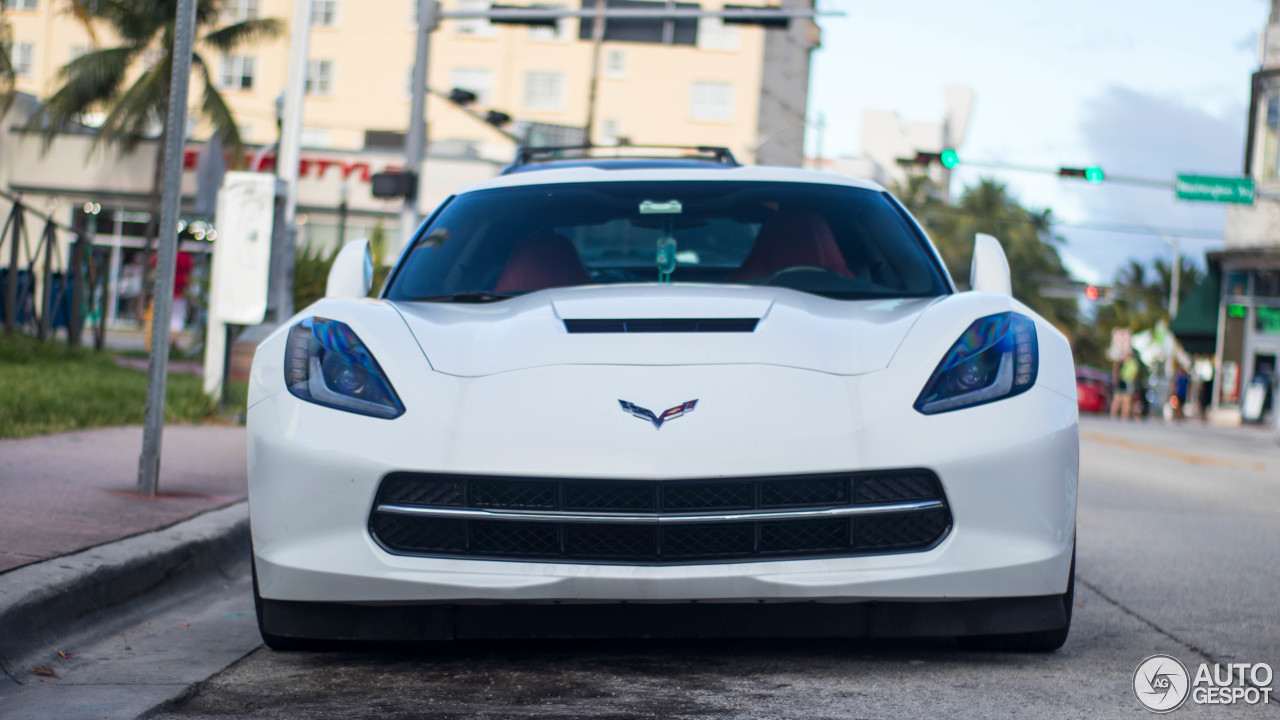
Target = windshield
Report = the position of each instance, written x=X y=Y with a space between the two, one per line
x=840 y=242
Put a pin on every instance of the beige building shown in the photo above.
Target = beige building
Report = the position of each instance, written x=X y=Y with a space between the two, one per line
x=681 y=82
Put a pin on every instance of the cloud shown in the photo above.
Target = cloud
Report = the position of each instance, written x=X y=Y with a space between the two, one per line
x=1133 y=133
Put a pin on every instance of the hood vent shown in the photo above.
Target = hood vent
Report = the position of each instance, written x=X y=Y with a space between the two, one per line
x=663 y=325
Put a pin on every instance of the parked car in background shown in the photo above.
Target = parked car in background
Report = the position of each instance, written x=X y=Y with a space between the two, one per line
x=1093 y=390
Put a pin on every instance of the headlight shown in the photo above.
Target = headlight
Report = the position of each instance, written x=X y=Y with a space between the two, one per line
x=325 y=363
x=995 y=358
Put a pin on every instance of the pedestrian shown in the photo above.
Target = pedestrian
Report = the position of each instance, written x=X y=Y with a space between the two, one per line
x=1181 y=383
x=1126 y=375
x=1206 y=397
x=178 y=315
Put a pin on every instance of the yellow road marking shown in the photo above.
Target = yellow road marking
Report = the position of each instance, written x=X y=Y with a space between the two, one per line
x=1186 y=457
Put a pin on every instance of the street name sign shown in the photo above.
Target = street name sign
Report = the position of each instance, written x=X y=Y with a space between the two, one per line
x=1206 y=188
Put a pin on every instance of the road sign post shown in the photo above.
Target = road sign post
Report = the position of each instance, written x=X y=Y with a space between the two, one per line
x=1206 y=188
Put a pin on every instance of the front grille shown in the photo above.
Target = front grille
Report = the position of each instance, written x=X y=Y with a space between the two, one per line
x=659 y=522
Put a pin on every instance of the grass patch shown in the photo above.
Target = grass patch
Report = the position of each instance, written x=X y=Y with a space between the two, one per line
x=49 y=387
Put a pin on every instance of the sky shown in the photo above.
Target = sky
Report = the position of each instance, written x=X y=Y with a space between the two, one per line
x=1146 y=88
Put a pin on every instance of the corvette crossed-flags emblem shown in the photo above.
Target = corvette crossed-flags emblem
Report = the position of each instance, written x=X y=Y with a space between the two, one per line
x=657 y=420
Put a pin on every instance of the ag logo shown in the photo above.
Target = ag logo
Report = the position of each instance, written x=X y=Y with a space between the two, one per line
x=1161 y=683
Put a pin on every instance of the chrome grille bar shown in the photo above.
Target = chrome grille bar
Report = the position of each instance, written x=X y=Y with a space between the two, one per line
x=579 y=517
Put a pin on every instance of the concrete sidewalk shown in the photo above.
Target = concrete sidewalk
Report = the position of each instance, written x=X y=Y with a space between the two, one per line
x=71 y=491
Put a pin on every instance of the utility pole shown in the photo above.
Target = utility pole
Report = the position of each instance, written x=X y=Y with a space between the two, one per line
x=175 y=139
x=597 y=39
x=1175 y=271
x=289 y=157
x=416 y=141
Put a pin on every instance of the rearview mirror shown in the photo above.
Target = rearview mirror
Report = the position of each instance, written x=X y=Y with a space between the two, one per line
x=351 y=275
x=989 y=272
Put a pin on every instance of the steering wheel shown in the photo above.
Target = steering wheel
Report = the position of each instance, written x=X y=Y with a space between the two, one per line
x=779 y=274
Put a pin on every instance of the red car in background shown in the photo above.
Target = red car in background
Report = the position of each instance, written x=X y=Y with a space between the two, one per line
x=1093 y=390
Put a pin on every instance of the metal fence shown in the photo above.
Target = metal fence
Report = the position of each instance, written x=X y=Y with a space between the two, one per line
x=40 y=290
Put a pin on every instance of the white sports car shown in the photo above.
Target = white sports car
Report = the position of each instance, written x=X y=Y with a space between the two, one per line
x=665 y=397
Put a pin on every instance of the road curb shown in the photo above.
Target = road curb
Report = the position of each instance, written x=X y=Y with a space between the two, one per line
x=39 y=602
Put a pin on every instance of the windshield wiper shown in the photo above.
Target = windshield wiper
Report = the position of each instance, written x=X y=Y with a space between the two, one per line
x=465 y=297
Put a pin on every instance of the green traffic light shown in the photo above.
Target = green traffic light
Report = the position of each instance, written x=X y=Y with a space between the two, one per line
x=1093 y=174
x=950 y=159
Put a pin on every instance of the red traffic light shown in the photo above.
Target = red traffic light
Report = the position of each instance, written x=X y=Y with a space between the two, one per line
x=1091 y=292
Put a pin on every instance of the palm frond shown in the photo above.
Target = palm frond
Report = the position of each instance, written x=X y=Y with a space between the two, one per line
x=136 y=22
x=135 y=109
x=89 y=81
x=245 y=32
x=214 y=108
x=83 y=12
x=8 y=75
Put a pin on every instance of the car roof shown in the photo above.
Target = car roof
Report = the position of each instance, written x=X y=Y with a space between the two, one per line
x=631 y=170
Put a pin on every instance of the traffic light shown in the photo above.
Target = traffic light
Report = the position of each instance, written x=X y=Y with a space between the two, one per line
x=497 y=118
x=1091 y=292
x=1093 y=173
x=782 y=22
x=459 y=96
x=511 y=15
x=947 y=158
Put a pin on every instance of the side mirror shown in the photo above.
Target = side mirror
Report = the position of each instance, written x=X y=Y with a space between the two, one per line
x=989 y=272
x=351 y=275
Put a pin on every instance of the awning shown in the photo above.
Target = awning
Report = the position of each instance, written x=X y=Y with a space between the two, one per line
x=1196 y=325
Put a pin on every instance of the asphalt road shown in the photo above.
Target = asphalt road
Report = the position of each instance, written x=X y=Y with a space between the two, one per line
x=1179 y=530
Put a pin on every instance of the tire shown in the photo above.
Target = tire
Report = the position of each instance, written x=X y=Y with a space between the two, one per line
x=275 y=642
x=1043 y=641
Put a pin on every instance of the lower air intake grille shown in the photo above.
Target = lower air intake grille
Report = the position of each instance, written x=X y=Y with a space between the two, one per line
x=659 y=522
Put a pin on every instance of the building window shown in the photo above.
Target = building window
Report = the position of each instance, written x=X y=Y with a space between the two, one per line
x=713 y=34
x=237 y=72
x=615 y=64
x=476 y=80
x=78 y=51
x=559 y=32
x=315 y=137
x=543 y=91
x=647 y=30
x=1236 y=283
x=384 y=140
x=475 y=27
x=22 y=56
x=235 y=11
x=324 y=13
x=20 y=4
x=711 y=102
x=1271 y=137
x=1266 y=283
x=319 y=77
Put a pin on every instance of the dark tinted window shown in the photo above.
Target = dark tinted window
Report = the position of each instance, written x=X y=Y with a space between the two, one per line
x=836 y=241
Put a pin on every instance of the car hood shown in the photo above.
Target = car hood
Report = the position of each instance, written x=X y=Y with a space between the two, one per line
x=794 y=329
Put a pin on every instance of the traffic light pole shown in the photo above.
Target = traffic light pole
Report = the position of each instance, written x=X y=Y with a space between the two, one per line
x=167 y=250
x=597 y=40
x=415 y=142
x=429 y=15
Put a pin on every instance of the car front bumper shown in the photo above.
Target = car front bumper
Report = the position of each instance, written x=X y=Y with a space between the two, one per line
x=1008 y=470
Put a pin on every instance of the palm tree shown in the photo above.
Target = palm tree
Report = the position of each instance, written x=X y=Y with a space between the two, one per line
x=1026 y=235
x=7 y=75
x=130 y=81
